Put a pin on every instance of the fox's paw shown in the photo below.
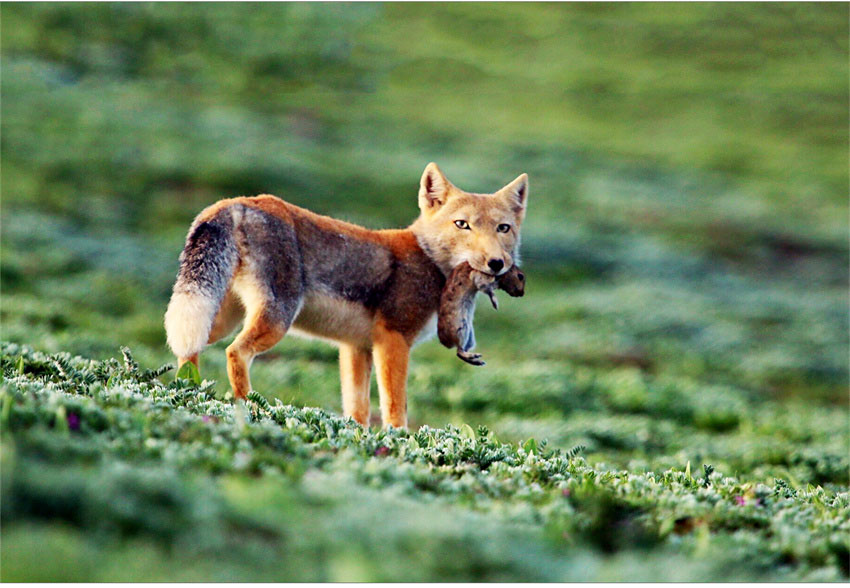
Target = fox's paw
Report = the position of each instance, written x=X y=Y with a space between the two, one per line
x=471 y=358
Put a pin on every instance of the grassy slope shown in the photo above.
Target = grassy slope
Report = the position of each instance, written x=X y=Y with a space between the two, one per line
x=276 y=492
x=686 y=247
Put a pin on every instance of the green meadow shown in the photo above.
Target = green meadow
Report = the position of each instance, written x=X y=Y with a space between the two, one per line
x=668 y=402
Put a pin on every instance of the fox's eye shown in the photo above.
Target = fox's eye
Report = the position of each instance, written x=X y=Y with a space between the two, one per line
x=462 y=224
x=503 y=228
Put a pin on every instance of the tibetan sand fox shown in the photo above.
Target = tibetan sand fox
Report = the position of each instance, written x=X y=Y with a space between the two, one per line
x=457 y=305
x=278 y=268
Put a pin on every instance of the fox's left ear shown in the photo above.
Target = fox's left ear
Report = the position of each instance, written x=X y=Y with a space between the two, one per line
x=516 y=193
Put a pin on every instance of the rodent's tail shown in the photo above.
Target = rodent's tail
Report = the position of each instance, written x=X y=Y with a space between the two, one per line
x=207 y=264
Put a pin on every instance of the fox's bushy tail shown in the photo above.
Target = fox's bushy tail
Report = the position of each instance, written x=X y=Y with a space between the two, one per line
x=207 y=264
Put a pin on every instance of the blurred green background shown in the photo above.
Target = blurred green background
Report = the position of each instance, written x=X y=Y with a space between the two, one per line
x=687 y=232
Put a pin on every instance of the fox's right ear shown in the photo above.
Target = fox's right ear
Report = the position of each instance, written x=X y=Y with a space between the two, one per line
x=516 y=194
x=433 y=188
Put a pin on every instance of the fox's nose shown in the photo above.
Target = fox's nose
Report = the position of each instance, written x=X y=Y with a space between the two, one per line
x=496 y=264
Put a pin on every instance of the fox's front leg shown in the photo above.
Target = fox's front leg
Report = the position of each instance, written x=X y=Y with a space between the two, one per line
x=391 y=353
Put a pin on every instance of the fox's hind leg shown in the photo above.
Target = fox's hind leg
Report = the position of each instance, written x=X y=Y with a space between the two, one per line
x=259 y=334
x=269 y=285
x=269 y=313
x=355 y=370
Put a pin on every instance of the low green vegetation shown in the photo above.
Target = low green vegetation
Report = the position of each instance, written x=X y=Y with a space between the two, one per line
x=117 y=456
x=669 y=401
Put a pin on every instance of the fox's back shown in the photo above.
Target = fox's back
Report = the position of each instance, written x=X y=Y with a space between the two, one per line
x=348 y=276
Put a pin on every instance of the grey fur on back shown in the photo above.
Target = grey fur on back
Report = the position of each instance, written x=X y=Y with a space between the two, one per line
x=294 y=259
x=269 y=248
x=339 y=264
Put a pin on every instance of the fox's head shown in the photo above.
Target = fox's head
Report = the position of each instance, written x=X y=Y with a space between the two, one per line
x=456 y=226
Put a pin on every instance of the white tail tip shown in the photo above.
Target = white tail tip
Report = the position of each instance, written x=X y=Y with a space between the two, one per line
x=188 y=322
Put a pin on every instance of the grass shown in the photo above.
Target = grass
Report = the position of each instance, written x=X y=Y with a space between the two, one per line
x=687 y=261
x=173 y=466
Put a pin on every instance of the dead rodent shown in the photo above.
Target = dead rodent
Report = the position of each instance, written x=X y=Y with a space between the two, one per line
x=457 y=305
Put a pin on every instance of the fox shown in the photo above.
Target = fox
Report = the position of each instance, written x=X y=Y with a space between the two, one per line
x=457 y=306
x=277 y=268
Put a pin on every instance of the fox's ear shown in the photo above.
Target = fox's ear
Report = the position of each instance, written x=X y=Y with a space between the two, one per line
x=433 y=188
x=516 y=194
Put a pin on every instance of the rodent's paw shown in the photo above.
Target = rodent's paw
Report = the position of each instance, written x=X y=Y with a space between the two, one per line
x=471 y=358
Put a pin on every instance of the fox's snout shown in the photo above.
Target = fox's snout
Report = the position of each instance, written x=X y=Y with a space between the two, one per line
x=486 y=253
x=490 y=262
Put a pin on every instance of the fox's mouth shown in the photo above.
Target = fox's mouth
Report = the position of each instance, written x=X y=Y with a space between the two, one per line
x=487 y=272
x=491 y=273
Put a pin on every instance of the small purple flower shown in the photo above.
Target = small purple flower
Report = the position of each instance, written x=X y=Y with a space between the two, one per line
x=740 y=500
x=382 y=451
x=209 y=419
x=565 y=492
x=74 y=421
